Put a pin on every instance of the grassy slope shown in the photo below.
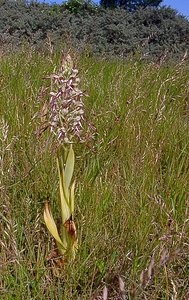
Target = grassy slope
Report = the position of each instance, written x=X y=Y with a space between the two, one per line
x=132 y=187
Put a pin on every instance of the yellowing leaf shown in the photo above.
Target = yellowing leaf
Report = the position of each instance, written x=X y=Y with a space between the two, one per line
x=49 y=221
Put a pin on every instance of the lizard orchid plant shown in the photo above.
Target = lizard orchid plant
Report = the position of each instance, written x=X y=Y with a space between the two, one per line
x=64 y=116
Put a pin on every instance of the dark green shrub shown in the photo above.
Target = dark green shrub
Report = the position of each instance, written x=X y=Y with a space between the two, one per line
x=150 y=32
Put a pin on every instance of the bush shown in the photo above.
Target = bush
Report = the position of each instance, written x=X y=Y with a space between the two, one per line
x=150 y=32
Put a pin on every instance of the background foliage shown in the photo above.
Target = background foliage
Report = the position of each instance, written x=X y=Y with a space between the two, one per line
x=130 y=5
x=150 y=32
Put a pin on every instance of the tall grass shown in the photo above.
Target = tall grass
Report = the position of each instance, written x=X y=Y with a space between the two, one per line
x=132 y=182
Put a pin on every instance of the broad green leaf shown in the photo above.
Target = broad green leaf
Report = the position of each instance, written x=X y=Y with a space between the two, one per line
x=64 y=206
x=64 y=153
x=72 y=197
x=69 y=167
x=65 y=209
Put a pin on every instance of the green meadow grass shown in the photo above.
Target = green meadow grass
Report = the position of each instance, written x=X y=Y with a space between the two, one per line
x=131 y=182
